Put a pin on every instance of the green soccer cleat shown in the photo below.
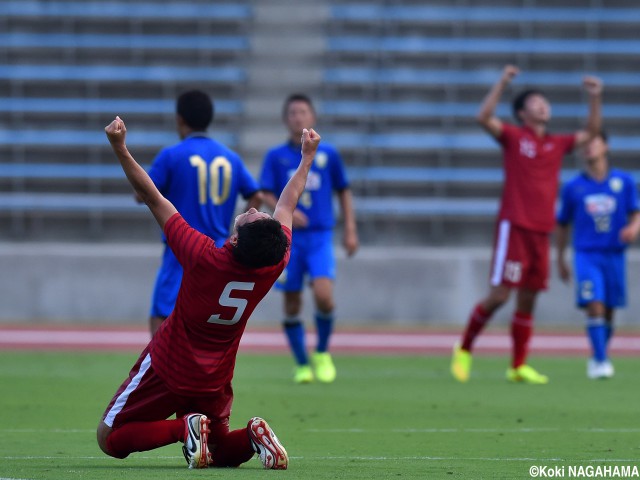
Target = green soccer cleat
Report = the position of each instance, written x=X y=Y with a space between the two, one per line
x=303 y=374
x=526 y=374
x=325 y=371
x=461 y=364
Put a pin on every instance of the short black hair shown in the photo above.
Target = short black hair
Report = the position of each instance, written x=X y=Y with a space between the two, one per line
x=604 y=136
x=196 y=109
x=520 y=101
x=261 y=243
x=296 y=97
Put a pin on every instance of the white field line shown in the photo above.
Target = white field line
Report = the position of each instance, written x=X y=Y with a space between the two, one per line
x=475 y=430
x=363 y=458
x=368 y=430
x=422 y=341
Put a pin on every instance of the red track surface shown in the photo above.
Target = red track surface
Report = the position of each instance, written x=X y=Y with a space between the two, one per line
x=363 y=341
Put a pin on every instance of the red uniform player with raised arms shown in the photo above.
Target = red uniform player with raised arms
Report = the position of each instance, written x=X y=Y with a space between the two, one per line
x=187 y=367
x=532 y=161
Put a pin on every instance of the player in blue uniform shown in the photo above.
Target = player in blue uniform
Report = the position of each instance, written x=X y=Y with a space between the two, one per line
x=602 y=205
x=203 y=179
x=312 y=245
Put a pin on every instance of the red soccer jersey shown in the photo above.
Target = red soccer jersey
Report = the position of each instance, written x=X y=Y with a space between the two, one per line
x=532 y=166
x=194 y=351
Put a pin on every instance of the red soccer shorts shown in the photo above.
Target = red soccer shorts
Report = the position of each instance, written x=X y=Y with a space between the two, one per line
x=520 y=257
x=144 y=397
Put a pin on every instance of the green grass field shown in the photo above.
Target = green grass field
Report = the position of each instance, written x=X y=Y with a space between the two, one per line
x=385 y=417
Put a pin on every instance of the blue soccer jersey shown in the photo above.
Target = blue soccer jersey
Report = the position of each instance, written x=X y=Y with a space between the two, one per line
x=598 y=210
x=327 y=175
x=203 y=178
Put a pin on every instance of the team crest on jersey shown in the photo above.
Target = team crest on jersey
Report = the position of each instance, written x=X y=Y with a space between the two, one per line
x=600 y=204
x=321 y=159
x=527 y=148
x=314 y=181
x=615 y=184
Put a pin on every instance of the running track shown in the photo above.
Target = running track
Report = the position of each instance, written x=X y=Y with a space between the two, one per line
x=423 y=341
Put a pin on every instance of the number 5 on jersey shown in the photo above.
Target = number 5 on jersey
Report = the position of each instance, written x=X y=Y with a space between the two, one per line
x=226 y=300
x=220 y=167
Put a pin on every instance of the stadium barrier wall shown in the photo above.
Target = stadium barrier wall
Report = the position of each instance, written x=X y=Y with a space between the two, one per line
x=112 y=283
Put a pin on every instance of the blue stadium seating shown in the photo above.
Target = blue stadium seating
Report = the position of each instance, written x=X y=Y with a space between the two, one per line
x=423 y=141
x=373 y=77
x=105 y=105
x=352 y=108
x=68 y=202
x=126 y=10
x=123 y=42
x=122 y=73
x=433 y=14
x=93 y=138
x=471 y=46
x=396 y=207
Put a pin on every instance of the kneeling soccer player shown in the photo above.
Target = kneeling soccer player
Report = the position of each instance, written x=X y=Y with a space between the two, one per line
x=187 y=367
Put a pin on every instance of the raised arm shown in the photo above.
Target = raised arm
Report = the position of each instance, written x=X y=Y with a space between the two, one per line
x=593 y=86
x=295 y=186
x=486 y=116
x=142 y=184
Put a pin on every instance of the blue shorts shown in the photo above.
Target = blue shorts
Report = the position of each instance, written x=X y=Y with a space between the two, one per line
x=165 y=291
x=312 y=253
x=600 y=277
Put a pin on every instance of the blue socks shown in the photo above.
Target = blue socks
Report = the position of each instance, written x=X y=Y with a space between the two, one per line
x=324 y=326
x=598 y=335
x=609 y=329
x=294 y=330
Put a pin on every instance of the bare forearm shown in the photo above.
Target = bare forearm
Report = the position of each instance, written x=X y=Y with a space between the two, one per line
x=296 y=184
x=142 y=184
x=594 y=121
x=488 y=106
x=348 y=214
x=562 y=240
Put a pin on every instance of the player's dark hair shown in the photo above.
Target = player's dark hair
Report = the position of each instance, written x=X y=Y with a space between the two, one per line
x=520 y=101
x=604 y=136
x=296 y=97
x=196 y=109
x=261 y=243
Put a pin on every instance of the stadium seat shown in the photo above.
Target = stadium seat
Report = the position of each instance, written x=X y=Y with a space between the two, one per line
x=122 y=73
x=399 y=109
x=488 y=14
x=426 y=207
x=123 y=42
x=93 y=138
x=126 y=10
x=373 y=77
x=471 y=46
x=105 y=106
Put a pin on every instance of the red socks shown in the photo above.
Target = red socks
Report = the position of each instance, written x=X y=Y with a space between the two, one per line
x=521 y=329
x=232 y=449
x=143 y=436
x=477 y=321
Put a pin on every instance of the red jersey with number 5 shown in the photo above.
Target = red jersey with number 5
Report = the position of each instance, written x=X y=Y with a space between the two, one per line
x=532 y=166
x=194 y=351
